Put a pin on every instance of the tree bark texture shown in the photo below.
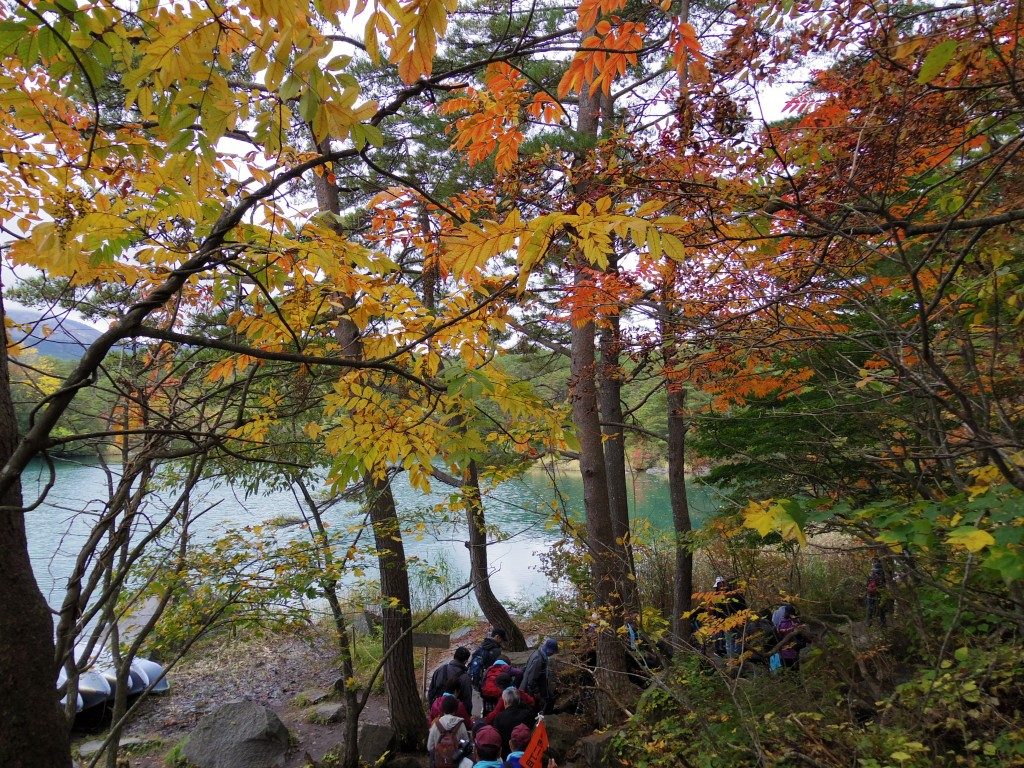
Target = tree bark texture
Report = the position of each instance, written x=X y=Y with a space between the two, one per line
x=491 y=607
x=682 y=588
x=607 y=558
x=610 y=403
x=407 y=716
x=33 y=731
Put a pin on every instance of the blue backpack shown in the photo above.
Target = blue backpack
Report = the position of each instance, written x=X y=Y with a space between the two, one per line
x=478 y=664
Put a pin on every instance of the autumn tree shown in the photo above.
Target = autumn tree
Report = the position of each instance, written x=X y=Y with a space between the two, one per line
x=153 y=194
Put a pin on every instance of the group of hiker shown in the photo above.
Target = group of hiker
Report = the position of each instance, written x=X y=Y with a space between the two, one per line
x=512 y=698
x=776 y=636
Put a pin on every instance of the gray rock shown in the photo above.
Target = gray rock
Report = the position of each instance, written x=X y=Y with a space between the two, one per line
x=517 y=658
x=89 y=749
x=595 y=750
x=325 y=714
x=366 y=623
x=460 y=633
x=533 y=641
x=374 y=741
x=242 y=734
x=313 y=696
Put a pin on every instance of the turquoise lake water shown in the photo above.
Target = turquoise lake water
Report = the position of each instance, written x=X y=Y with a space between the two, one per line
x=520 y=508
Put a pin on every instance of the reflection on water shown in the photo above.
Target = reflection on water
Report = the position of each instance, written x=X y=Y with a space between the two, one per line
x=521 y=509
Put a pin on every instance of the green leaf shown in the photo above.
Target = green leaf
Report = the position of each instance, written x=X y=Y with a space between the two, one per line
x=373 y=135
x=290 y=88
x=358 y=134
x=936 y=61
x=11 y=32
x=1008 y=563
x=308 y=105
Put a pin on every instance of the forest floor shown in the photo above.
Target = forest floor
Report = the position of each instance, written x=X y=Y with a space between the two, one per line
x=279 y=670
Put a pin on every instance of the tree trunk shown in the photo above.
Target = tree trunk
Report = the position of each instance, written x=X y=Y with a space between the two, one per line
x=610 y=401
x=682 y=588
x=607 y=557
x=492 y=608
x=33 y=731
x=407 y=716
x=349 y=757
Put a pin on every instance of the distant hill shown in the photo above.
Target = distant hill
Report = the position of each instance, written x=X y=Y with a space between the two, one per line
x=65 y=339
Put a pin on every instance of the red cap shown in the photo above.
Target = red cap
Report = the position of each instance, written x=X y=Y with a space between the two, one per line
x=488 y=736
x=520 y=736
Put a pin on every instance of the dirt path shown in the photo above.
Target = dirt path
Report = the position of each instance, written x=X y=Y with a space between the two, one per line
x=274 y=670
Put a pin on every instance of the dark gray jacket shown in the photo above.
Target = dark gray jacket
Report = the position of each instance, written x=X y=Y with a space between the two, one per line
x=446 y=674
x=537 y=677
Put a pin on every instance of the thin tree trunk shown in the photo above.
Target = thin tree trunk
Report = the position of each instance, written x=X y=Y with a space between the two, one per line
x=492 y=608
x=610 y=402
x=33 y=731
x=407 y=716
x=682 y=588
x=472 y=499
x=607 y=558
x=349 y=757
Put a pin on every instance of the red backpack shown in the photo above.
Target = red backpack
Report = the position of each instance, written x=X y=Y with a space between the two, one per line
x=447 y=746
x=490 y=688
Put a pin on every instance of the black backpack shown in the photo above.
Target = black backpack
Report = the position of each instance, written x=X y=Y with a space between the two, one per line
x=442 y=685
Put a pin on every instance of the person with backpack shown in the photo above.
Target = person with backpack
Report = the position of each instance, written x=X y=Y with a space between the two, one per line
x=460 y=709
x=445 y=734
x=789 y=630
x=484 y=656
x=875 y=597
x=537 y=678
x=455 y=671
x=496 y=679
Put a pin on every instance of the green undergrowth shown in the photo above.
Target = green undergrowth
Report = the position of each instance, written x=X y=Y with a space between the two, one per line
x=175 y=757
x=367 y=650
x=967 y=711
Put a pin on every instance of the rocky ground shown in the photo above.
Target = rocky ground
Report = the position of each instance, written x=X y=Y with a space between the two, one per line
x=292 y=674
x=287 y=673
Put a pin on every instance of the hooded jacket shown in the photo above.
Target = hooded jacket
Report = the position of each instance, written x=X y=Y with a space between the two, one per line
x=448 y=722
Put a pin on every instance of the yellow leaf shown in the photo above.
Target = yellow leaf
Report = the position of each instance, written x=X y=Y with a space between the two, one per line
x=770 y=517
x=970 y=538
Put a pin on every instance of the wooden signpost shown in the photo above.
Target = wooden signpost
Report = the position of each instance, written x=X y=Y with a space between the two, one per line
x=427 y=640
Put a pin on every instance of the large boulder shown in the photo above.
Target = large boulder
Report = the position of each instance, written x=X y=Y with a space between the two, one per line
x=595 y=750
x=366 y=623
x=374 y=741
x=242 y=734
x=564 y=730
